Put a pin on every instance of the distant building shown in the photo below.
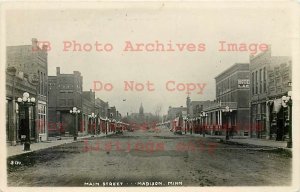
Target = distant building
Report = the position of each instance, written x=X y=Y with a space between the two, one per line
x=141 y=112
x=270 y=80
x=88 y=107
x=143 y=118
x=31 y=66
x=101 y=108
x=65 y=92
x=112 y=112
x=195 y=108
x=174 y=112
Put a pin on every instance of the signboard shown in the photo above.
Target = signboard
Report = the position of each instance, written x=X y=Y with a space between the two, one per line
x=243 y=83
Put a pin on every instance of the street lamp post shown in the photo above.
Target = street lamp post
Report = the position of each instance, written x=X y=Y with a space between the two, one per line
x=198 y=122
x=227 y=112
x=203 y=116
x=287 y=102
x=93 y=117
x=192 y=126
x=114 y=125
x=185 y=125
x=26 y=102
x=106 y=125
x=75 y=112
x=188 y=122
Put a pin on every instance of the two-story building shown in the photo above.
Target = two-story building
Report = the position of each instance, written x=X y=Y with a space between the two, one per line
x=270 y=80
x=31 y=65
x=232 y=92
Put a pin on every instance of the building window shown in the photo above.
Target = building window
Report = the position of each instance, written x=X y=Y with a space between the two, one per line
x=258 y=110
x=256 y=83
x=44 y=83
x=260 y=81
x=43 y=88
x=252 y=83
x=39 y=91
x=228 y=83
x=264 y=79
x=42 y=119
x=41 y=83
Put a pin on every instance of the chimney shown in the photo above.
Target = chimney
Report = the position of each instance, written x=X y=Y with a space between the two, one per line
x=57 y=70
x=34 y=42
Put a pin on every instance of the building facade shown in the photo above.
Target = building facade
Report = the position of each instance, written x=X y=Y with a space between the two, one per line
x=31 y=65
x=270 y=80
x=174 y=112
x=101 y=108
x=65 y=92
x=232 y=92
x=16 y=85
x=88 y=125
x=194 y=114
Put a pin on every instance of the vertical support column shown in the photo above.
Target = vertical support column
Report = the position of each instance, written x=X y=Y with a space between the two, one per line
x=76 y=126
x=12 y=113
x=106 y=127
x=36 y=129
x=27 y=128
x=290 y=141
x=211 y=121
x=59 y=124
x=218 y=122
x=221 y=123
x=267 y=121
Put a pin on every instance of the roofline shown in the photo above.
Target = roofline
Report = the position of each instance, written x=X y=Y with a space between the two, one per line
x=228 y=69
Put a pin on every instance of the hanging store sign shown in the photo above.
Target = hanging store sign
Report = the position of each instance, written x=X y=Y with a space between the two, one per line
x=243 y=83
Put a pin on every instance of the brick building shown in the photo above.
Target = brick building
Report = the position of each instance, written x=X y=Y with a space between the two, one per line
x=101 y=108
x=31 y=65
x=270 y=80
x=65 y=92
x=232 y=90
x=174 y=112
x=16 y=84
x=194 y=109
x=88 y=107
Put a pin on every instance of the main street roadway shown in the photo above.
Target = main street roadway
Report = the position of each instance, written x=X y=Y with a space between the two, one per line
x=151 y=158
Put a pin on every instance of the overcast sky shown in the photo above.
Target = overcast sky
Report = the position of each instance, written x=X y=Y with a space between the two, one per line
x=115 y=25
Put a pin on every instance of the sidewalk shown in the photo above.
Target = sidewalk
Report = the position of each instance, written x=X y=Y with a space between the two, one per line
x=261 y=142
x=18 y=149
x=249 y=141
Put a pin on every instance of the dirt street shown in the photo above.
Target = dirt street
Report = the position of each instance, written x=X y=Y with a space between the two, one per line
x=147 y=158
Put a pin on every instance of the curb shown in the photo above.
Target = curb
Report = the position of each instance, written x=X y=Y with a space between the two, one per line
x=283 y=150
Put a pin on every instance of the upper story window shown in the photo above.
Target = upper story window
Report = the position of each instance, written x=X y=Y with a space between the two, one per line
x=264 y=80
x=252 y=83
x=256 y=83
